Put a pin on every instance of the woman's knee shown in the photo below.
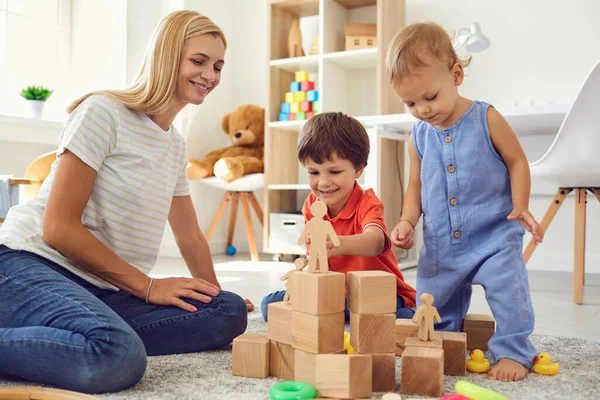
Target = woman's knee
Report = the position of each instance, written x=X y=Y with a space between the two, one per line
x=118 y=364
x=234 y=313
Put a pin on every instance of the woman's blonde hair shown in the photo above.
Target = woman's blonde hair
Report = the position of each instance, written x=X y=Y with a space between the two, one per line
x=411 y=48
x=153 y=88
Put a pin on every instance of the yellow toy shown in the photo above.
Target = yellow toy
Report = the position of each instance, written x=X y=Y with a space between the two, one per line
x=543 y=365
x=347 y=345
x=477 y=363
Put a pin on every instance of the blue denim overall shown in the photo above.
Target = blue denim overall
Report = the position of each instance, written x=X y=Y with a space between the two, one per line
x=465 y=198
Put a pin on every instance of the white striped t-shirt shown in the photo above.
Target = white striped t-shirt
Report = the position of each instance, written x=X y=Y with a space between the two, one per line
x=139 y=166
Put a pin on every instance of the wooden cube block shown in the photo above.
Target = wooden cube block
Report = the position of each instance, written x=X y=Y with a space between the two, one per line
x=422 y=371
x=455 y=352
x=416 y=342
x=345 y=376
x=305 y=365
x=279 y=325
x=250 y=356
x=318 y=293
x=318 y=333
x=404 y=328
x=479 y=329
x=372 y=292
x=281 y=362
x=373 y=333
x=384 y=372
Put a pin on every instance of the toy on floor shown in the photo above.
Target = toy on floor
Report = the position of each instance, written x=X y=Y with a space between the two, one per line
x=478 y=363
x=292 y=390
x=473 y=391
x=42 y=393
x=300 y=263
x=347 y=344
x=318 y=229
x=425 y=315
x=543 y=365
x=231 y=250
x=454 y=397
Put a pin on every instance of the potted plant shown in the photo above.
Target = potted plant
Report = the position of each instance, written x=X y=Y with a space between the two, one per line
x=36 y=96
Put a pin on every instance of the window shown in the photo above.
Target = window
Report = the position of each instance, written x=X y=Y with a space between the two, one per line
x=34 y=50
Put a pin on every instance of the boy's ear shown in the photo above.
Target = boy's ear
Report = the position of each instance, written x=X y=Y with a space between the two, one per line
x=359 y=172
x=458 y=74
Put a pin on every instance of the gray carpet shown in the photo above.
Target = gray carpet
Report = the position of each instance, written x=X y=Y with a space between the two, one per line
x=208 y=375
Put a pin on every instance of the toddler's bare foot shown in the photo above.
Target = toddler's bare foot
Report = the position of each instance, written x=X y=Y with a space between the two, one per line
x=507 y=370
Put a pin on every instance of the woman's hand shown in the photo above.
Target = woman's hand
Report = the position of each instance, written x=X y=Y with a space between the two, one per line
x=528 y=222
x=171 y=291
x=403 y=235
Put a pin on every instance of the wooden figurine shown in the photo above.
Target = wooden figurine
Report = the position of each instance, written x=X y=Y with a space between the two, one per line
x=425 y=315
x=319 y=230
x=300 y=263
x=295 y=40
x=314 y=47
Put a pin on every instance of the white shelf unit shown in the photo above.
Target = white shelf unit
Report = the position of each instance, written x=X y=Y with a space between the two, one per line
x=352 y=82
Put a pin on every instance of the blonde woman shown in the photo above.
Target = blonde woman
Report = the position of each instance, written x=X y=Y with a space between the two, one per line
x=78 y=310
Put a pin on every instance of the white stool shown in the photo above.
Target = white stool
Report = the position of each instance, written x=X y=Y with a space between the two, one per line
x=240 y=189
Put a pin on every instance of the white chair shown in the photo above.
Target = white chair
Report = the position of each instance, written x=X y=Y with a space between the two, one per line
x=240 y=189
x=572 y=163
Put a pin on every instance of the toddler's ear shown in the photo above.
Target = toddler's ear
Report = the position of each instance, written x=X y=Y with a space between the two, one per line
x=458 y=74
x=225 y=124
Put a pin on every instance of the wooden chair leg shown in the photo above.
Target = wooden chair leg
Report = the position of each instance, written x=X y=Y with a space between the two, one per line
x=232 y=219
x=579 y=257
x=596 y=192
x=249 y=230
x=256 y=206
x=218 y=215
x=557 y=201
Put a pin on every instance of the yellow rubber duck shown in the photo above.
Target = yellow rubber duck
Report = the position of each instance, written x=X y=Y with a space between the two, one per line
x=347 y=345
x=477 y=363
x=543 y=365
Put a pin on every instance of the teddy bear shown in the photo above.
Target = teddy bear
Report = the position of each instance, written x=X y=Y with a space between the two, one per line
x=246 y=129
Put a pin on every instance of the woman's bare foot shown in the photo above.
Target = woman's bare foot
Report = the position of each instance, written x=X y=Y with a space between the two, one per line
x=507 y=370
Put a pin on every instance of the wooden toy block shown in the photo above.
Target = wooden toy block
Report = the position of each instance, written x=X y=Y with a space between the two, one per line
x=360 y=29
x=312 y=95
x=250 y=356
x=404 y=328
x=455 y=352
x=307 y=85
x=300 y=96
x=318 y=294
x=283 y=117
x=384 y=372
x=479 y=329
x=372 y=292
x=302 y=76
x=289 y=97
x=345 y=376
x=422 y=371
x=373 y=333
x=279 y=325
x=294 y=106
x=281 y=362
x=318 y=333
x=305 y=364
x=306 y=106
x=310 y=114
x=291 y=116
x=360 y=42
x=416 y=342
x=300 y=116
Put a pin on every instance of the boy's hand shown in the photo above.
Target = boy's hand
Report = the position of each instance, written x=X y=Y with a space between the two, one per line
x=332 y=250
x=403 y=235
x=528 y=222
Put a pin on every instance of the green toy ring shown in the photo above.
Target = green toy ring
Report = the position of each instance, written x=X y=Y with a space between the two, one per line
x=292 y=390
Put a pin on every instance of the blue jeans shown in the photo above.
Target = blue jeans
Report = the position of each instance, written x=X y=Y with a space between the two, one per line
x=60 y=330
x=401 y=311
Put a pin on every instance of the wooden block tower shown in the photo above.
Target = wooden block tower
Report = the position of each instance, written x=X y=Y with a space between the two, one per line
x=302 y=101
x=372 y=304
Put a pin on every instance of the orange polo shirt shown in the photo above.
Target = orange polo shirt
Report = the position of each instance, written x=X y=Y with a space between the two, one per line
x=363 y=209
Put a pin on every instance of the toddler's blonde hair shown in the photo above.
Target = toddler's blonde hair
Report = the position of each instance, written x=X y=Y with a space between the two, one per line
x=411 y=48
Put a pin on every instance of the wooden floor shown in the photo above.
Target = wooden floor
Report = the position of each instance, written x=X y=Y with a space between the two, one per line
x=551 y=292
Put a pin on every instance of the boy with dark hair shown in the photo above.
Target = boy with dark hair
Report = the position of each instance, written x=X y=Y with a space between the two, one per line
x=334 y=149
